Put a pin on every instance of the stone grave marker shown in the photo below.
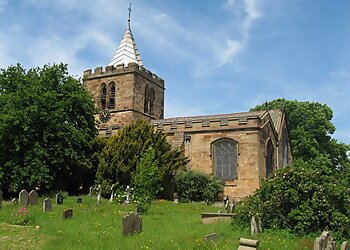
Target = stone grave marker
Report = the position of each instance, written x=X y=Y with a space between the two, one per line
x=255 y=226
x=99 y=194
x=47 y=206
x=79 y=200
x=176 y=198
x=33 y=197
x=92 y=191
x=59 y=199
x=345 y=246
x=23 y=198
x=112 y=194
x=248 y=244
x=324 y=242
x=1 y=198
x=127 y=196
x=14 y=201
x=68 y=213
x=131 y=223
x=213 y=237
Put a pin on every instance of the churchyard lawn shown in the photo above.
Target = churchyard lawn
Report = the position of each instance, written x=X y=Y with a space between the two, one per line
x=166 y=226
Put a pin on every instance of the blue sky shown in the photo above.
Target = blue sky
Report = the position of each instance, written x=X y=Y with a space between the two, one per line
x=215 y=56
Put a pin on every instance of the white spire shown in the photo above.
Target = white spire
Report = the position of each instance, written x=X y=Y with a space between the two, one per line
x=127 y=51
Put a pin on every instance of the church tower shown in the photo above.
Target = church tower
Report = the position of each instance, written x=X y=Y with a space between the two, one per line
x=125 y=90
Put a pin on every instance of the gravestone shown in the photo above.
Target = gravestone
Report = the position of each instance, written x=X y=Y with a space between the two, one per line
x=255 y=226
x=92 y=191
x=1 y=198
x=99 y=193
x=33 y=197
x=47 y=205
x=345 y=246
x=68 y=213
x=79 y=200
x=248 y=244
x=14 y=201
x=112 y=194
x=211 y=237
x=127 y=196
x=131 y=223
x=23 y=198
x=176 y=198
x=59 y=199
x=324 y=242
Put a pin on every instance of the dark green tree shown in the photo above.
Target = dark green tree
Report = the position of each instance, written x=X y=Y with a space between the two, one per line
x=310 y=130
x=138 y=152
x=47 y=129
x=313 y=194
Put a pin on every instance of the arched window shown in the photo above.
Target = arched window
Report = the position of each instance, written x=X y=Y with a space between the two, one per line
x=146 y=106
x=269 y=158
x=151 y=100
x=111 y=89
x=103 y=99
x=225 y=159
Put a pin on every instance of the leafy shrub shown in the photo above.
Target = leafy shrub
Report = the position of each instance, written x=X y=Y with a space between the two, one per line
x=197 y=186
x=301 y=199
x=21 y=217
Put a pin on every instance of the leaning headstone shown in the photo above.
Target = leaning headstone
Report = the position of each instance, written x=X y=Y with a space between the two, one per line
x=112 y=194
x=248 y=244
x=345 y=246
x=14 y=201
x=23 y=198
x=47 y=205
x=79 y=200
x=92 y=191
x=131 y=223
x=211 y=237
x=253 y=226
x=33 y=197
x=59 y=199
x=324 y=242
x=1 y=198
x=68 y=213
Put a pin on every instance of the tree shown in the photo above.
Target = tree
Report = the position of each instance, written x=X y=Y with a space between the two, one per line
x=310 y=130
x=313 y=194
x=136 y=153
x=47 y=129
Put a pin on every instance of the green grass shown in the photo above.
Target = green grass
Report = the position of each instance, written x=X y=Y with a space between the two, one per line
x=165 y=226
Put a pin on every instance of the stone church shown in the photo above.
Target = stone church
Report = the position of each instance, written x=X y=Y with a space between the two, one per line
x=239 y=148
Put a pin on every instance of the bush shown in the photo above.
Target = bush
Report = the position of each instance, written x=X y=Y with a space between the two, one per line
x=303 y=199
x=197 y=186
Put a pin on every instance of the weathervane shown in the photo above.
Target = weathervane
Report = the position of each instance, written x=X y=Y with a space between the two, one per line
x=129 y=11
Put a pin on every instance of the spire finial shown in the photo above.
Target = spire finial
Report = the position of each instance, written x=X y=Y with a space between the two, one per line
x=129 y=12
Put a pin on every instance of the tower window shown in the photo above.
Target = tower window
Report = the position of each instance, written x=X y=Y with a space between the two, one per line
x=225 y=159
x=149 y=100
x=103 y=98
x=111 y=93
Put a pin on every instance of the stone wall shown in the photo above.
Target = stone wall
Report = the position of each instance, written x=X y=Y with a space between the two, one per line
x=195 y=135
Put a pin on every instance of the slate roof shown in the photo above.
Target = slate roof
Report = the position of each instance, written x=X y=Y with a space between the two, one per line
x=127 y=51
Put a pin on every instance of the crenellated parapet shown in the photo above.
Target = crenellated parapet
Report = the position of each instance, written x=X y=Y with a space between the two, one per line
x=122 y=69
x=212 y=122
